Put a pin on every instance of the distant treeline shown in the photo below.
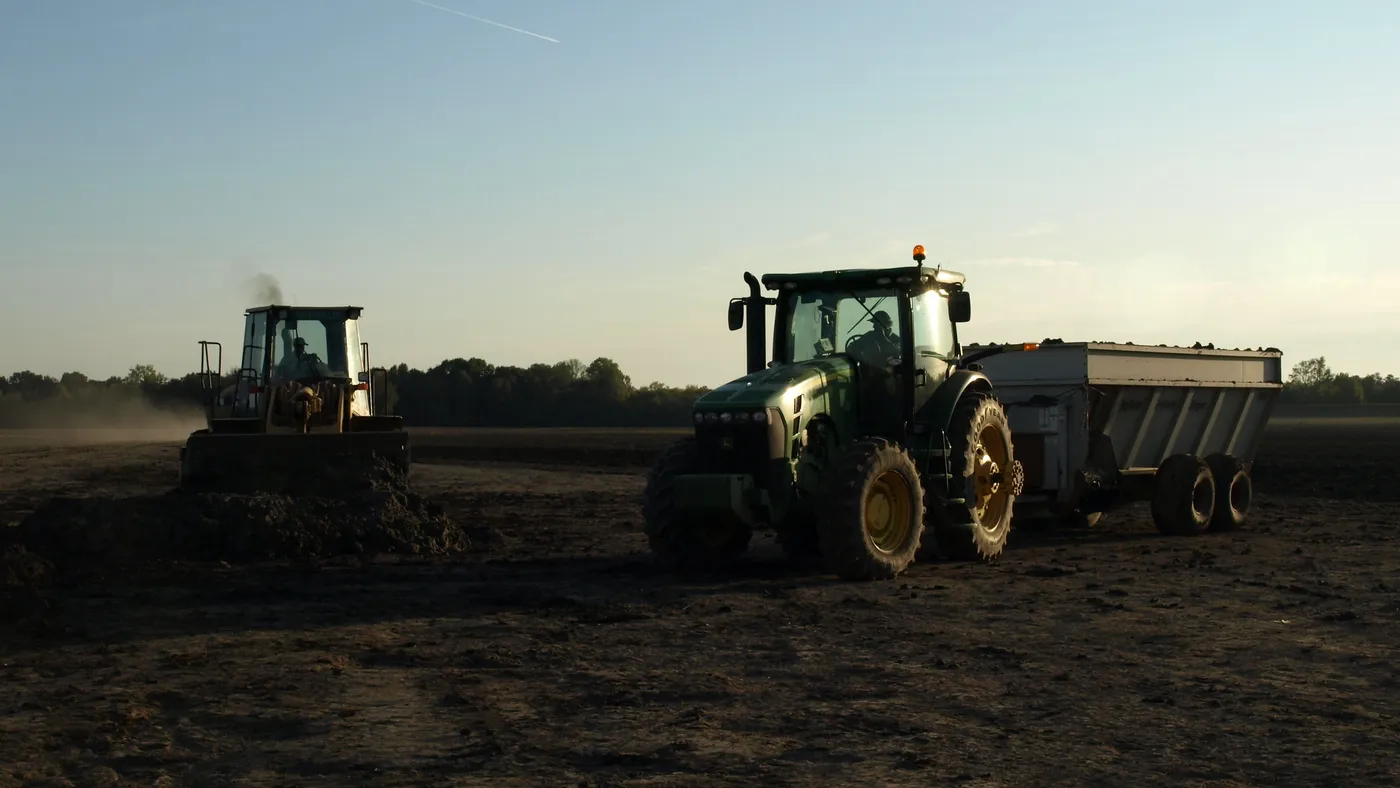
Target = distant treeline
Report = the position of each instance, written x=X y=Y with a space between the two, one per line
x=455 y=393
x=1312 y=382
x=474 y=393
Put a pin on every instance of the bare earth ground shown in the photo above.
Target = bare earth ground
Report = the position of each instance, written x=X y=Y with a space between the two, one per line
x=561 y=657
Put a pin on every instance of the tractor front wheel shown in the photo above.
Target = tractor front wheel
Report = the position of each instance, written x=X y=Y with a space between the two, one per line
x=986 y=473
x=688 y=541
x=870 y=517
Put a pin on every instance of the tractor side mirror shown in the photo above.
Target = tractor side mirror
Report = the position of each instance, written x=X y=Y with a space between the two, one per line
x=960 y=307
x=736 y=314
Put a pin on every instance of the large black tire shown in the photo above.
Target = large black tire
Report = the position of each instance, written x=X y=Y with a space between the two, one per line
x=687 y=541
x=984 y=467
x=1183 y=499
x=1234 y=492
x=870 y=513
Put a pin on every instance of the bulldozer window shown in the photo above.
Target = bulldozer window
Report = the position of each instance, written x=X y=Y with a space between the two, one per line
x=325 y=338
x=823 y=322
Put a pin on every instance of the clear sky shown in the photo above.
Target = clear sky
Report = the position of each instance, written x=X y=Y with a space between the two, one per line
x=1192 y=170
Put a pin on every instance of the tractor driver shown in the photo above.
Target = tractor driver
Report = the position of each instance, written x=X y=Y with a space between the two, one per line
x=880 y=344
x=299 y=364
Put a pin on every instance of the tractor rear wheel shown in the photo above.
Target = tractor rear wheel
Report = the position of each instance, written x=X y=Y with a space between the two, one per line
x=870 y=514
x=687 y=541
x=988 y=476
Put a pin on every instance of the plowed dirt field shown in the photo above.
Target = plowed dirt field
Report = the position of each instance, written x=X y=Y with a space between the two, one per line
x=531 y=642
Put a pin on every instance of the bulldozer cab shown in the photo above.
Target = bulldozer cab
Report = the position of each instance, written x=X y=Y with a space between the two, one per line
x=303 y=344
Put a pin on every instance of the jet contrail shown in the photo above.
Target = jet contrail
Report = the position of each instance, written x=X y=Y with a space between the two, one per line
x=487 y=21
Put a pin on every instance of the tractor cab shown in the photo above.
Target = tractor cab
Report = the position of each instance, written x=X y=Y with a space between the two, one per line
x=897 y=326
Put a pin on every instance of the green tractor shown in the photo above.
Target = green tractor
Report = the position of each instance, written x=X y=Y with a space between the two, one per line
x=868 y=440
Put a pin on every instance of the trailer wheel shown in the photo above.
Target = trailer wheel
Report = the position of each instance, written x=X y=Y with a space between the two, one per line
x=988 y=476
x=870 y=515
x=687 y=541
x=1234 y=491
x=1183 y=499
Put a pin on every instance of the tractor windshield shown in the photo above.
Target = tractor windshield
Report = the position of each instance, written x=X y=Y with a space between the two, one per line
x=825 y=322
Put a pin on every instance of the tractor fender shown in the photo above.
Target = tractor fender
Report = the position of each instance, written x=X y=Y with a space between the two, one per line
x=944 y=401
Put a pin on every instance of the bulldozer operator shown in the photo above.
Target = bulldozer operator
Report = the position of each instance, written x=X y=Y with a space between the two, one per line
x=299 y=365
x=879 y=346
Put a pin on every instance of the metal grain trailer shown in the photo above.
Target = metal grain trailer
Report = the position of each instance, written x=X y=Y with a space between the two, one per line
x=1097 y=425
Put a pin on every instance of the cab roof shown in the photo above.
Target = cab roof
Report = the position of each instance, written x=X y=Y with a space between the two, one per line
x=903 y=276
x=351 y=311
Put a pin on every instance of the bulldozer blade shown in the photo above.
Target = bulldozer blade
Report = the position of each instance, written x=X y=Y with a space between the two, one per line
x=280 y=462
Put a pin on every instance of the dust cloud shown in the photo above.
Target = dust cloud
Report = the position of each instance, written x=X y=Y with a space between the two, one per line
x=50 y=423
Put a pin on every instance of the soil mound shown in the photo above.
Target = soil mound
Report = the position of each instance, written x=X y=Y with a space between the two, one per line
x=338 y=510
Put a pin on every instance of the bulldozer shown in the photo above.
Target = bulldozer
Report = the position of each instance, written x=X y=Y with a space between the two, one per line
x=304 y=396
x=865 y=439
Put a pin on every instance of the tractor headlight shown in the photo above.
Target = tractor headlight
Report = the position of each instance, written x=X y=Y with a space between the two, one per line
x=699 y=418
x=760 y=417
x=726 y=417
x=711 y=418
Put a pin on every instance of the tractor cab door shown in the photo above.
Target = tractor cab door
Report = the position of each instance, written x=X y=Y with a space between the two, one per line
x=880 y=382
x=932 y=333
x=935 y=351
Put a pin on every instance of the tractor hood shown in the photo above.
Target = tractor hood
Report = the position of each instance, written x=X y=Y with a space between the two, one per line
x=777 y=386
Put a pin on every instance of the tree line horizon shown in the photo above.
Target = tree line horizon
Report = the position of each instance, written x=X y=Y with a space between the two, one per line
x=475 y=393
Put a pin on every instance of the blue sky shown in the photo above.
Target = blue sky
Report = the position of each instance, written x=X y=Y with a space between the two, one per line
x=1172 y=172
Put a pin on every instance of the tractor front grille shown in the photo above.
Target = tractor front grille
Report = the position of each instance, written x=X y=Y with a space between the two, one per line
x=747 y=447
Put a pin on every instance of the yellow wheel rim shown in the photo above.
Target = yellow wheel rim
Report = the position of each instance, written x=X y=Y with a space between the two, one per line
x=992 y=488
x=887 y=518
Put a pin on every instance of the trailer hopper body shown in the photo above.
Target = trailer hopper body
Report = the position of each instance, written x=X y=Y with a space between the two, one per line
x=1094 y=422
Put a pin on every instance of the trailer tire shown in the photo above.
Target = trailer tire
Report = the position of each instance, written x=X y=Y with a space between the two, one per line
x=1234 y=491
x=686 y=541
x=1183 y=498
x=873 y=483
x=961 y=532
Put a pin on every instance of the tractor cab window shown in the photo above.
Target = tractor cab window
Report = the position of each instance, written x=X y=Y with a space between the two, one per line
x=933 y=330
x=306 y=348
x=824 y=323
